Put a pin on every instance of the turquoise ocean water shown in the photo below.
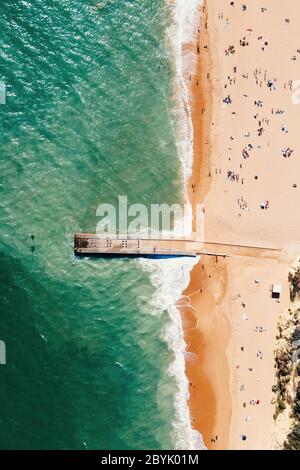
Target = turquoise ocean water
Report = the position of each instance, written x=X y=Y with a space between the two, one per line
x=89 y=116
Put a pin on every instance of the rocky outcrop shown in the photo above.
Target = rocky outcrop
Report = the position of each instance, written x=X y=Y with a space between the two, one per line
x=287 y=364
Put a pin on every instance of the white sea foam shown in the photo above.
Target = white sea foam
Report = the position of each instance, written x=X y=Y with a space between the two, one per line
x=171 y=276
x=182 y=31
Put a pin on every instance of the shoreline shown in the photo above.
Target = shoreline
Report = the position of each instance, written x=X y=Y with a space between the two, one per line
x=202 y=330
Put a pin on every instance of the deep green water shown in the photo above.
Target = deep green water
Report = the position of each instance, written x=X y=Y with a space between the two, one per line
x=88 y=117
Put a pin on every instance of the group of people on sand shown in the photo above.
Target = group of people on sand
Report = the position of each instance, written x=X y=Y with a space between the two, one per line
x=261 y=79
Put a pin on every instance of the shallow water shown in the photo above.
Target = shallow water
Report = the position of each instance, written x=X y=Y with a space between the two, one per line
x=89 y=116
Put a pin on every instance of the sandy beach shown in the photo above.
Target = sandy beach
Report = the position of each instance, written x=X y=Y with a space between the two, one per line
x=245 y=172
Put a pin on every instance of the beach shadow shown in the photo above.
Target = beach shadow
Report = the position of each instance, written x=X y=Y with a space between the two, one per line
x=130 y=256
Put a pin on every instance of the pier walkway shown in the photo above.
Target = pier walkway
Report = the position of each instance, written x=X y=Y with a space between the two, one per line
x=86 y=244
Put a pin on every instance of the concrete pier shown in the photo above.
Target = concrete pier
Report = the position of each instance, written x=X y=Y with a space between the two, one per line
x=87 y=244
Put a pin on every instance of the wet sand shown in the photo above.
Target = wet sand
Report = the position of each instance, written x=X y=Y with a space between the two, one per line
x=206 y=365
x=207 y=332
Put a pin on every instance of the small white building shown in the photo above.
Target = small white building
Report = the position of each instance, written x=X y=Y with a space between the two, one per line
x=276 y=291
